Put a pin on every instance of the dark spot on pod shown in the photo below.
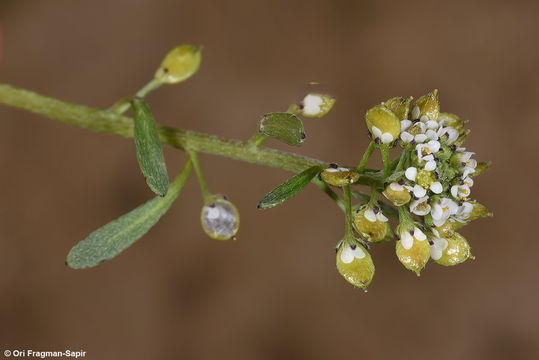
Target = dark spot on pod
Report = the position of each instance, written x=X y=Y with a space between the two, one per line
x=461 y=182
x=431 y=242
x=336 y=249
x=319 y=177
x=258 y=206
x=224 y=197
x=415 y=121
x=429 y=200
x=412 y=142
x=395 y=142
x=436 y=175
x=353 y=246
x=398 y=237
x=412 y=232
x=463 y=163
x=65 y=263
x=357 y=211
x=453 y=147
x=333 y=166
x=301 y=106
x=302 y=136
x=446 y=135
x=400 y=182
x=385 y=185
x=376 y=209
x=165 y=70
x=377 y=140
x=460 y=202
x=212 y=205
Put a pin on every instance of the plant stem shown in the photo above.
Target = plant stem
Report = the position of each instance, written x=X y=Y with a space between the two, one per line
x=327 y=190
x=124 y=105
x=200 y=176
x=384 y=150
x=257 y=139
x=349 y=231
x=366 y=156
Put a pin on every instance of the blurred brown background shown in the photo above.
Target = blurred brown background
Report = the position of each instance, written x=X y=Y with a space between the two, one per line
x=275 y=293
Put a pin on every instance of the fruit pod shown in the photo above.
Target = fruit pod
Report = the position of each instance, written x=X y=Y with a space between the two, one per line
x=220 y=219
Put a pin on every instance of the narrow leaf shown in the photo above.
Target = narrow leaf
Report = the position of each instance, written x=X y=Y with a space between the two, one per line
x=288 y=189
x=149 y=152
x=285 y=127
x=113 y=238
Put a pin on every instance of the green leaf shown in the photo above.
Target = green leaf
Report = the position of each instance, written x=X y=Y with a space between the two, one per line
x=113 y=238
x=288 y=189
x=149 y=152
x=285 y=127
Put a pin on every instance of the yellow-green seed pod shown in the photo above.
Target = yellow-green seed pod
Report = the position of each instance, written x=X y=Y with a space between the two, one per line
x=397 y=194
x=399 y=106
x=355 y=265
x=447 y=229
x=179 y=64
x=455 y=250
x=427 y=106
x=316 y=105
x=415 y=258
x=339 y=176
x=371 y=224
x=383 y=124
x=220 y=219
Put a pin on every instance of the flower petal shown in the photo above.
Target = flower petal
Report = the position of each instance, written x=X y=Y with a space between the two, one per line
x=370 y=215
x=411 y=173
x=407 y=240
x=436 y=187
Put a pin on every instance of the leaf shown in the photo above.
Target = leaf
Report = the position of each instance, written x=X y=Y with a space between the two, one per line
x=285 y=127
x=116 y=236
x=289 y=188
x=149 y=152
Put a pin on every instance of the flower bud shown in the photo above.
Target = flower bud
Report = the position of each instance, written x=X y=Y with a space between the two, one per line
x=220 y=219
x=383 y=124
x=371 y=223
x=451 y=250
x=355 y=265
x=316 y=105
x=427 y=107
x=397 y=194
x=452 y=120
x=339 y=176
x=399 y=106
x=179 y=64
x=414 y=258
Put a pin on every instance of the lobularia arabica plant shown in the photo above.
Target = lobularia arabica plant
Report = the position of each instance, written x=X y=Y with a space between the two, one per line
x=425 y=187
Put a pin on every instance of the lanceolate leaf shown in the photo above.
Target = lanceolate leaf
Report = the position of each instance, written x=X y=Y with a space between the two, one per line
x=118 y=235
x=149 y=152
x=283 y=126
x=288 y=189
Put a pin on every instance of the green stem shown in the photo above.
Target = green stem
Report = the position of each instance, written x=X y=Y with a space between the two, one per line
x=206 y=195
x=402 y=160
x=257 y=139
x=349 y=231
x=384 y=150
x=124 y=105
x=404 y=215
x=366 y=156
x=328 y=191
x=374 y=197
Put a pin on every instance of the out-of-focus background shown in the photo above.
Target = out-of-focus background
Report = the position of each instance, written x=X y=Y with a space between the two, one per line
x=274 y=293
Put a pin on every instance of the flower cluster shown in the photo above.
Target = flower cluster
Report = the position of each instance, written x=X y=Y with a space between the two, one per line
x=429 y=183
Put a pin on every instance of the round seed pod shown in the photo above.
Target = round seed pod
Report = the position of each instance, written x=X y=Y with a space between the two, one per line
x=220 y=219
x=372 y=226
x=383 y=124
x=339 y=176
x=179 y=64
x=415 y=258
x=456 y=251
x=316 y=105
x=355 y=265
x=397 y=194
x=400 y=106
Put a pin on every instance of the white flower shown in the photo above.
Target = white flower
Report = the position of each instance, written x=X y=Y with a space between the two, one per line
x=420 y=206
x=386 y=137
x=469 y=164
x=373 y=216
x=396 y=186
x=438 y=246
x=348 y=254
x=408 y=237
x=311 y=105
x=461 y=192
x=408 y=128
x=451 y=134
x=436 y=187
x=442 y=210
x=463 y=212
x=424 y=150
